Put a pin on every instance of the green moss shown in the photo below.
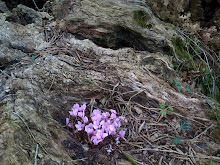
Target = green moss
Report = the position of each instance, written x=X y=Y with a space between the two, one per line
x=140 y=17
x=180 y=48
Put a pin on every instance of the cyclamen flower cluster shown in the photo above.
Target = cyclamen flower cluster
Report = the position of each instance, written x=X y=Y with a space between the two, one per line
x=102 y=125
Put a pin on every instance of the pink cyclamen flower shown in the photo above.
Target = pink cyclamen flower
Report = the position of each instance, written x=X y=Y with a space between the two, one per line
x=105 y=115
x=100 y=134
x=74 y=112
x=113 y=111
x=95 y=112
x=68 y=124
x=96 y=116
x=116 y=123
x=85 y=119
x=122 y=134
x=82 y=108
x=113 y=114
x=102 y=125
x=98 y=137
x=79 y=126
x=96 y=124
x=75 y=106
x=80 y=114
x=117 y=140
x=95 y=140
x=111 y=130
x=121 y=118
x=89 y=128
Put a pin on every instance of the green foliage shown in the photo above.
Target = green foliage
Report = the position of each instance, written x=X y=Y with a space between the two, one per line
x=190 y=55
x=129 y=158
x=162 y=105
x=210 y=104
x=140 y=17
x=170 y=108
x=176 y=141
x=188 y=89
x=163 y=112
x=177 y=73
x=176 y=84
x=180 y=48
x=33 y=58
x=165 y=109
x=184 y=124
x=173 y=163
x=205 y=83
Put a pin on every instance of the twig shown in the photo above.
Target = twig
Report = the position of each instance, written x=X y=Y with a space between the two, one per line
x=5 y=73
x=131 y=144
x=209 y=157
x=15 y=113
x=135 y=95
x=78 y=55
x=35 y=157
x=82 y=159
x=159 y=150
x=203 y=132
x=160 y=161
x=51 y=83
x=36 y=5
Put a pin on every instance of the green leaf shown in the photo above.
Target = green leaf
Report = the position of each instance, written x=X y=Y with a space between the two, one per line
x=177 y=73
x=210 y=104
x=130 y=158
x=33 y=58
x=176 y=141
x=171 y=81
x=162 y=105
x=197 y=49
x=177 y=82
x=178 y=87
x=173 y=163
x=184 y=124
x=206 y=80
x=188 y=89
x=163 y=112
x=170 y=108
x=187 y=43
x=166 y=55
x=175 y=65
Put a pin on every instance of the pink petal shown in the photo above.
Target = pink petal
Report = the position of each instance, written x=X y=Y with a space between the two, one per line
x=76 y=106
x=83 y=107
x=80 y=114
x=95 y=112
x=79 y=126
x=85 y=119
x=95 y=140
x=113 y=116
x=121 y=118
x=113 y=111
x=122 y=134
x=68 y=124
x=104 y=135
x=105 y=115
